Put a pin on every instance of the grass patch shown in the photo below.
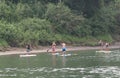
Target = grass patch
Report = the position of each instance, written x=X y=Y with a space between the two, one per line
x=3 y=45
x=106 y=37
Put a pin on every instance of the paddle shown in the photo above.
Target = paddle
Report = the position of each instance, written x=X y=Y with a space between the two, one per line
x=47 y=50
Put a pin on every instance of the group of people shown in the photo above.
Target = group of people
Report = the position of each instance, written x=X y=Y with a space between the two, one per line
x=53 y=47
x=104 y=45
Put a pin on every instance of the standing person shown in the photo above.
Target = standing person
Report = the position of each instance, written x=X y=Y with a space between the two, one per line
x=106 y=46
x=28 y=47
x=53 y=46
x=63 y=48
x=101 y=43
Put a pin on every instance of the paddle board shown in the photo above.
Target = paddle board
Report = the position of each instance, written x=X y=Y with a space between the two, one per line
x=27 y=55
x=103 y=51
x=55 y=53
x=65 y=55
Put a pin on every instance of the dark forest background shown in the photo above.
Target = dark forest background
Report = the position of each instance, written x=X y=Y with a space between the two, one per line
x=76 y=22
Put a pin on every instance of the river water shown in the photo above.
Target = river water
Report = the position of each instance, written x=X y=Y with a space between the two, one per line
x=79 y=64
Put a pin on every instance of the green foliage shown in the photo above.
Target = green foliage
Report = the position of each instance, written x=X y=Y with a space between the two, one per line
x=102 y=23
x=83 y=41
x=38 y=9
x=105 y=37
x=35 y=31
x=9 y=33
x=3 y=43
x=23 y=11
x=5 y=11
x=63 y=19
x=39 y=22
x=87 y=7
x=11 y=12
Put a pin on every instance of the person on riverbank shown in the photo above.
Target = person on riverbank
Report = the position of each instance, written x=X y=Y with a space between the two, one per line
x=63 y=48
x=28 y=48
x=106 y=46
x=101 y=43
x=53 y=46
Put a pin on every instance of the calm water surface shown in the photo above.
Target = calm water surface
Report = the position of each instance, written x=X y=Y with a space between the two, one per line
x=81 y=64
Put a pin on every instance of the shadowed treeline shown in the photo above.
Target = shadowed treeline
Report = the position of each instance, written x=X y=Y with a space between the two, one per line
x=39 y=22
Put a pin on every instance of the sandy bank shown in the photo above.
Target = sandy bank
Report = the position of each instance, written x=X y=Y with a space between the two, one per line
x=69 y=48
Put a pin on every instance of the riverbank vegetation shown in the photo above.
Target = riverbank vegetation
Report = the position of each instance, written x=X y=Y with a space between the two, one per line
x=39 y=22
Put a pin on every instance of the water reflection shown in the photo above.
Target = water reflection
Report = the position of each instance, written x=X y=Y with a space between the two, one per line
x=114 y=56
x=54 y=60
x=64 y=61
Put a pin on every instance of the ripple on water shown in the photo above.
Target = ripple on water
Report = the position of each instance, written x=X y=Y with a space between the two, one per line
x=88 y=72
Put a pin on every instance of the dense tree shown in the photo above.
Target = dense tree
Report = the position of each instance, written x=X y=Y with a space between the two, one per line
x=40 y=22
x=35 y=30
x=63 y=19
